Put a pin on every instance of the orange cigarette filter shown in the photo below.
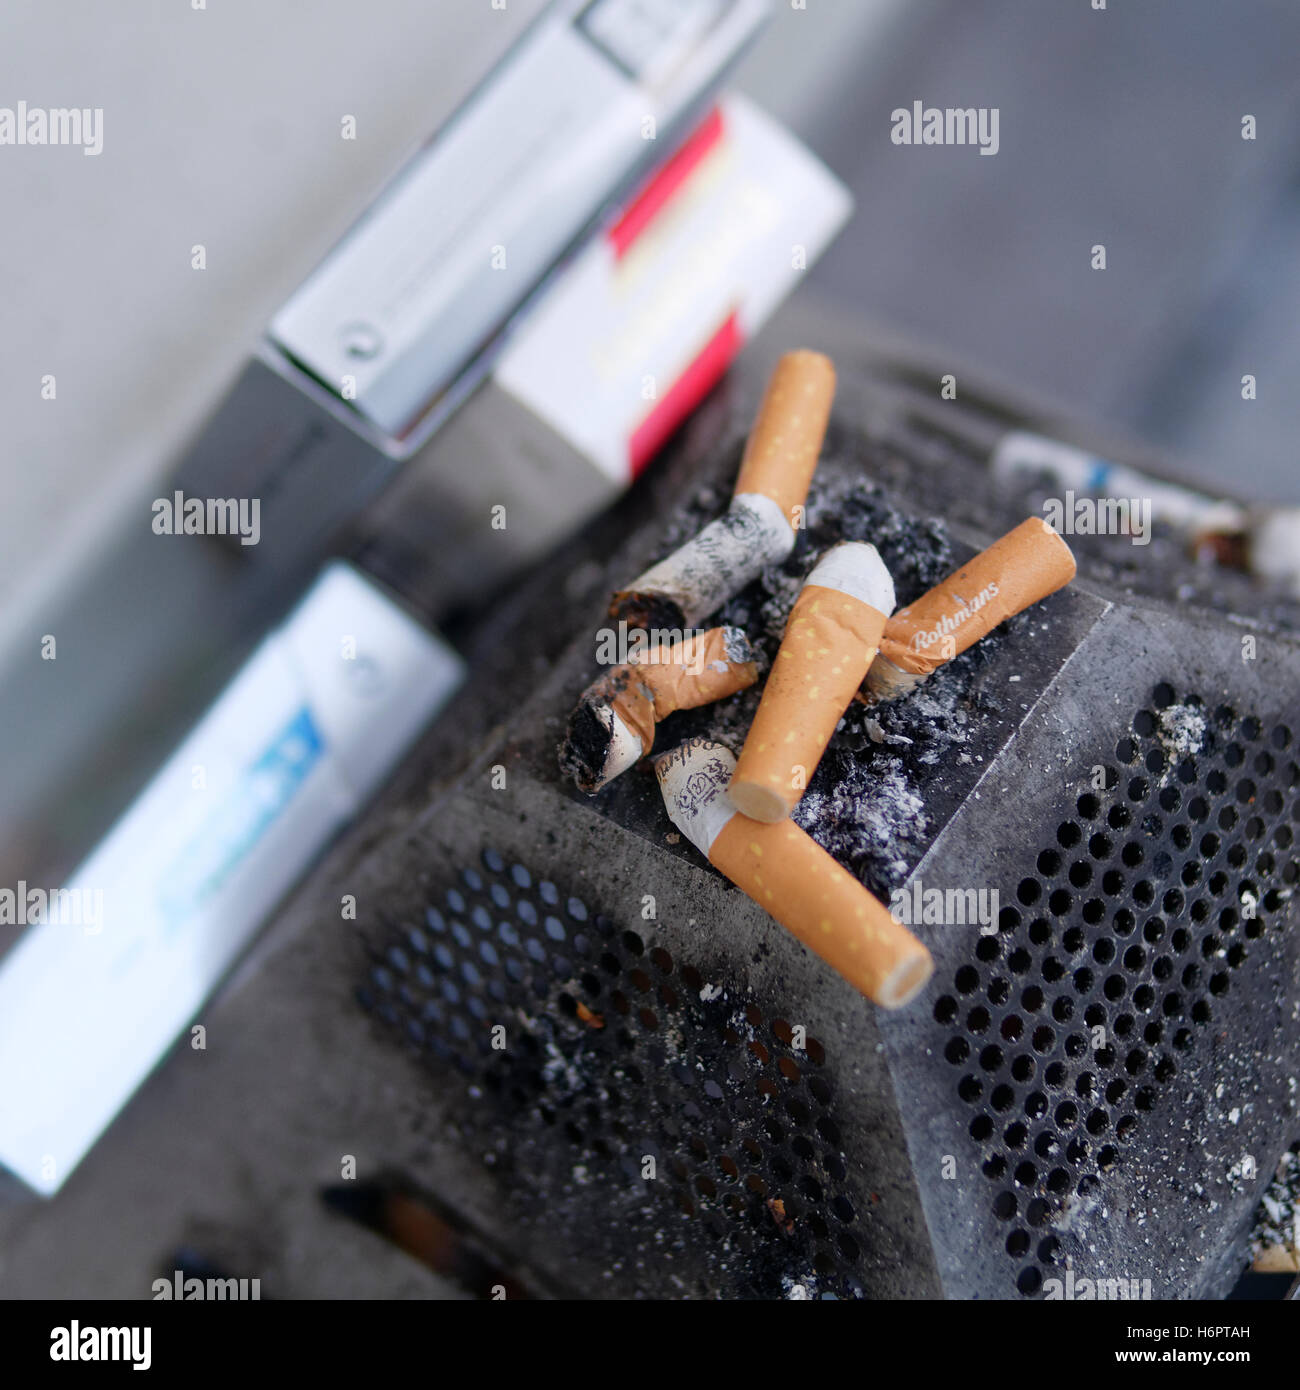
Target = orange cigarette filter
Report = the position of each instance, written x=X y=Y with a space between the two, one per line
x=793 y=879
x=613 y=726
x=1022 y=568
x=758 y=528
x=781 y=454
x=1278 y=1259
x=830 y=640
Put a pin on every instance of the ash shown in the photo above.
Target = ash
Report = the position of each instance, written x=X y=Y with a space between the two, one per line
x=866 y=819
x=1182 y=729
x=1278 y=1220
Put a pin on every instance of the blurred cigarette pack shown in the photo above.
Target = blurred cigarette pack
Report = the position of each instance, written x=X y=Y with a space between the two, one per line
x=629 y=338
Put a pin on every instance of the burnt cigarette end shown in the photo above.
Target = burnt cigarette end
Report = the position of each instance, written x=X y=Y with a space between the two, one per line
x=715 y=565
x=585 y=750
x=886 y=682
x=613 y=726
x=736 y=645
x=646 y=611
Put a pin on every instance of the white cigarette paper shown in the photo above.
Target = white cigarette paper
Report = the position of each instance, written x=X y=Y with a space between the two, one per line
x=1273 y=546
x=710 y=569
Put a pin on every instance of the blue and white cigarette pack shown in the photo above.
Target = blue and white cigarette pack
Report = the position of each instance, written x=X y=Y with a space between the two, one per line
x=117 y=960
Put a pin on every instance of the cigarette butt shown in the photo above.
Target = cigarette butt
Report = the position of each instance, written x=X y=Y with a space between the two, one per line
x=830 y=640
x=1020 y=454
x=792 y=878
x=413 y=1223
x=784 y=444
x=1276 y=1259
x=697 y=579
x=613 y=725
x=1273 y=546
x=776 y=1207
x=1016 y=571
x=758 y=528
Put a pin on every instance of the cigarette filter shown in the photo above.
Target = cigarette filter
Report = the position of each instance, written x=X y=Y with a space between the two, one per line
x=792 y=878
x=1277 y=1259
x=830 y=639
x=1016 y=571
x=758 y=529
x=613 y=725
x=781 y=454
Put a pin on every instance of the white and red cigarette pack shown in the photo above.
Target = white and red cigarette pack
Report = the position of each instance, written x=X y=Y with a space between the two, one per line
x=648 y=317
x=621 y=347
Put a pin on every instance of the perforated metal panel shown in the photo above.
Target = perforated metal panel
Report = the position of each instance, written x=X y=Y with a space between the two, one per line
x=624 y=1054
x=1114 y=952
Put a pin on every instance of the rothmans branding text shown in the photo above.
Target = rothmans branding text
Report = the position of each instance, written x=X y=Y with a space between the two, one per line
x=949 y=125
x=917 y=905
x=942 y=631
x=179 y=515
x=59 y=125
